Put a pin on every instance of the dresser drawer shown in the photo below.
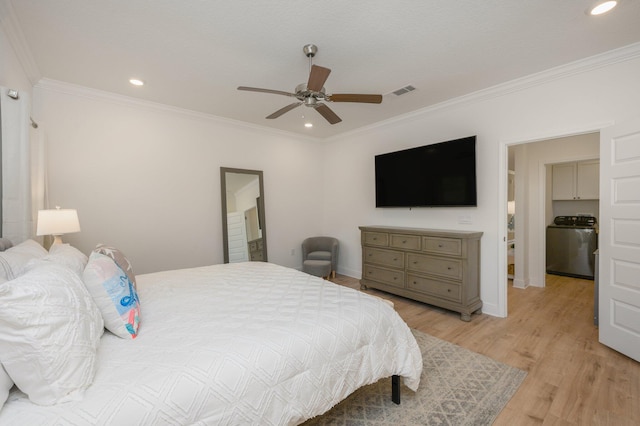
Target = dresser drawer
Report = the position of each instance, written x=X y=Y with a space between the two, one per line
x=385 y=276
x=451 y=268
x=257 y=256
x=376 y=238
x=442 y=245
x=442 y=289
x=383 y=257
x=407 y=242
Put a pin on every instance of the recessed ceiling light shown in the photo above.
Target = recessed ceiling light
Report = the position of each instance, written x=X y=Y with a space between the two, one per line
x=308 y=125
x=136 y=82
x=603 y=7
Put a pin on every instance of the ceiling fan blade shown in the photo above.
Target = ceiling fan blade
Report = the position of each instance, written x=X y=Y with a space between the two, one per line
x=350 y=97
x=317 y=77
x=328 y=114
x=281 y=111
x=257 y=89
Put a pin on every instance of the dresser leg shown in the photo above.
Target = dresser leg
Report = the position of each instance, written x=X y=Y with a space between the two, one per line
x=465 y=317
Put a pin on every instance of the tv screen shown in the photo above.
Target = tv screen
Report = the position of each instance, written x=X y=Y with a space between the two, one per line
x=437 y=175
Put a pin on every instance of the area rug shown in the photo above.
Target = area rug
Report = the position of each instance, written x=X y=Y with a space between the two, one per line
x=457 y=387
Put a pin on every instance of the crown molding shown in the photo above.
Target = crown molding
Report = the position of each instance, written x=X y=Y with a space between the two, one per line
x=612 y=57
x=11 y=27
x=123 y=100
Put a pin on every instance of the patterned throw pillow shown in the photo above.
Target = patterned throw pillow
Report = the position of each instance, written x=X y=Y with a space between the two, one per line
x=113 y=288
x=120 y=259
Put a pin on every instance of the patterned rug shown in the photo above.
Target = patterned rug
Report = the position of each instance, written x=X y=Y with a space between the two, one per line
x=457 y=387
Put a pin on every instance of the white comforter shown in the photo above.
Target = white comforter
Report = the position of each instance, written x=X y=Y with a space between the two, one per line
x=249 y=343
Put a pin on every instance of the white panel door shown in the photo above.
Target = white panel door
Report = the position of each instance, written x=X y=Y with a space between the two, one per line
x=237 y=237
x=619 y=277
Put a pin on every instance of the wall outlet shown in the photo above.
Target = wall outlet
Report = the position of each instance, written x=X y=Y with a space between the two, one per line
x=465 y=219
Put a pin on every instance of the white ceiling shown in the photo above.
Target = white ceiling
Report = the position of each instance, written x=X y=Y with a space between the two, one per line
x=193 y=54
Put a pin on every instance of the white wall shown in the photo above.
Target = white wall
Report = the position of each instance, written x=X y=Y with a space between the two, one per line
x=245 y=197
x=12 y=75
x=540 y=108
x=146 y=178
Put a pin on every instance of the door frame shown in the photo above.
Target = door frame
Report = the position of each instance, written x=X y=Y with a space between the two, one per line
x=503 y=148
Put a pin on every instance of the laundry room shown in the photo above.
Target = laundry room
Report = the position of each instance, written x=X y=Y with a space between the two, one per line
x=572 y=236
x=553 y=180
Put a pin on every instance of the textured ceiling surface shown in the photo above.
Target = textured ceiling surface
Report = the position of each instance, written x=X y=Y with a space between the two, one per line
x=194 y=54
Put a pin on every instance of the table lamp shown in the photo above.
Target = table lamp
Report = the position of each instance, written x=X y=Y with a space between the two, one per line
x=57 y=222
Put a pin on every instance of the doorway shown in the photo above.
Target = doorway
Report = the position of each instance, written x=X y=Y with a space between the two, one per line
x=532 y=203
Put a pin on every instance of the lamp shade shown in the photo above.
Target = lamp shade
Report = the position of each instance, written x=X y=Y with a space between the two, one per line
x=57 y=222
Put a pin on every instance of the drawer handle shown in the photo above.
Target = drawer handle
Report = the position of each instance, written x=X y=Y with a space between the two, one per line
x=395 y=259
x=449 y=268
x=395 y=278
x=370 y=255
x=448 y=290
x=439 y=245
x=375 y=238
x=404 y=241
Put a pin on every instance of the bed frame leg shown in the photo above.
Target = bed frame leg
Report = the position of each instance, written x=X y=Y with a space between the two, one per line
x=395 y=389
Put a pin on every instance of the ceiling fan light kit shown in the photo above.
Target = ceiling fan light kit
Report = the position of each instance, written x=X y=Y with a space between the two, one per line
x=312 y=93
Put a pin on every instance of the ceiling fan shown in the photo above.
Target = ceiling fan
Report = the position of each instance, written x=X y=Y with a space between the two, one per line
x=312 y=93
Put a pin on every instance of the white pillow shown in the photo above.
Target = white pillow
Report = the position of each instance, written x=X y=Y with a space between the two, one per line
x=50 y=330
x=13 y=262
x=5 y=385
x=66 y=255
x=114 y=293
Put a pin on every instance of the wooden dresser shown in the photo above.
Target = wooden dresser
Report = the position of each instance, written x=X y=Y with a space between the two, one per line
x=256 y=252
x=437 y=267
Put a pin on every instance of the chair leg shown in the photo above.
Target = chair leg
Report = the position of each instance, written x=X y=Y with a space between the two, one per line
x=333 y=274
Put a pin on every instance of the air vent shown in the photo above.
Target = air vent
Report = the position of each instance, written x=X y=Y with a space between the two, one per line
x=403 y=90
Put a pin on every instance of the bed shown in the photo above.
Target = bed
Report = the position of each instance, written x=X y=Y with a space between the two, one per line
x=243 y=343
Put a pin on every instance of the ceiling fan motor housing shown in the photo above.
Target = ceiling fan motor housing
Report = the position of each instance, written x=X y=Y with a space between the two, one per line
x=310 y=50
x=307 y=96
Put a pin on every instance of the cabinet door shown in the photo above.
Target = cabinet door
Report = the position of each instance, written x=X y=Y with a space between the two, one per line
x=564 y=182
x=588 y=180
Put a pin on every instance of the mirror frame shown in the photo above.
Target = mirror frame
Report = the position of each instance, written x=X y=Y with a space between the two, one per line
x=259 y=205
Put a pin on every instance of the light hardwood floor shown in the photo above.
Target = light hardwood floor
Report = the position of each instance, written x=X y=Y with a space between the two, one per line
x=572 y=379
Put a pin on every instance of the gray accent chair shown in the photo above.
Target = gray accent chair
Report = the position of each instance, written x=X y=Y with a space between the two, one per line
x=316 y=249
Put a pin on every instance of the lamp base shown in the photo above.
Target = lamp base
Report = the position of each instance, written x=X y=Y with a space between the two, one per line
x=57 y=239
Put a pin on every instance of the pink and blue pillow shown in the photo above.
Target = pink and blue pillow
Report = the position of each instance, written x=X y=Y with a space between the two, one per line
x=110 y=280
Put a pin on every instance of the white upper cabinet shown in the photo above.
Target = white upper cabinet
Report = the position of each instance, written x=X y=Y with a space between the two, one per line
x=576 y=181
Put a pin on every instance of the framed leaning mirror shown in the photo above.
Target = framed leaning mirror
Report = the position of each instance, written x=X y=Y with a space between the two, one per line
x=244 y=233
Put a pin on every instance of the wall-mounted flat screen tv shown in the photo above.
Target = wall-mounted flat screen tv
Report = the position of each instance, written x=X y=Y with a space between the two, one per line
x=437 y=175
